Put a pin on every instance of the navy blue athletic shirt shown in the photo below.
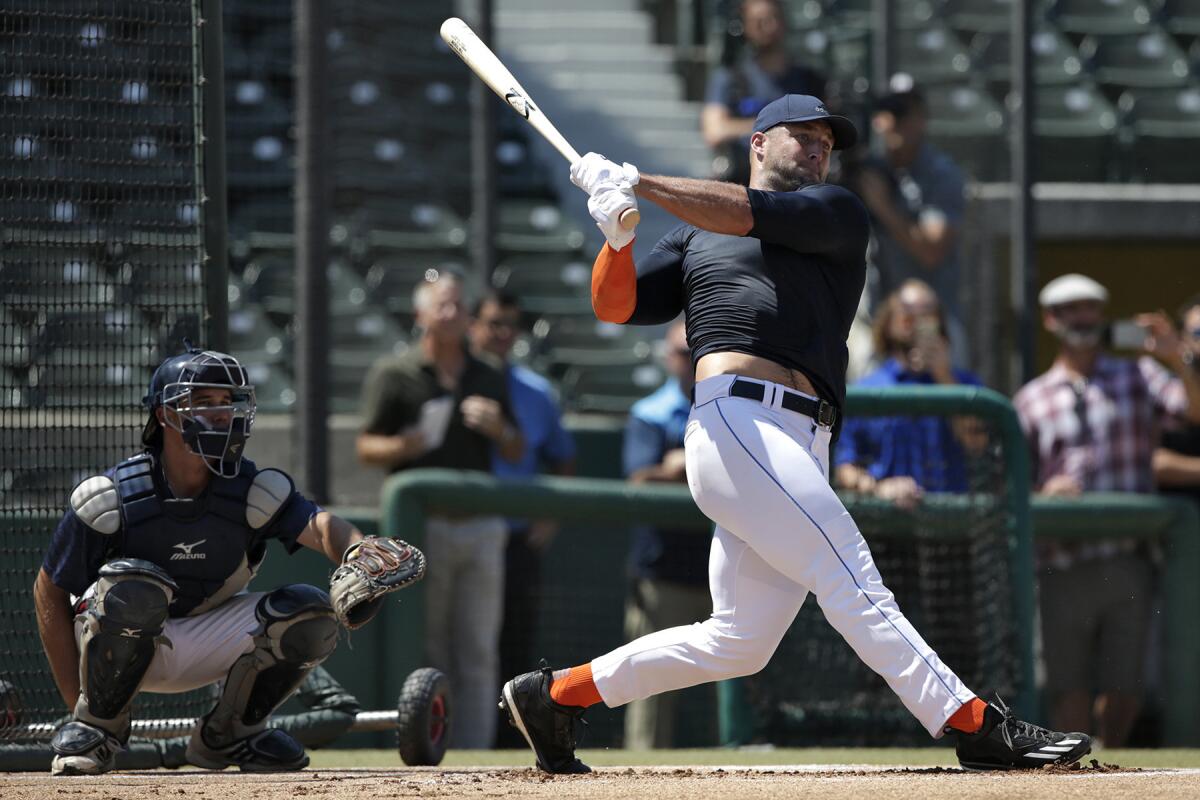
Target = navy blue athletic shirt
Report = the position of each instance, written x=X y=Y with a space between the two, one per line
x=787 y=291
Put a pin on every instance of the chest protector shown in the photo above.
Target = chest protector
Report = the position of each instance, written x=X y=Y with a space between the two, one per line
x=206 y=545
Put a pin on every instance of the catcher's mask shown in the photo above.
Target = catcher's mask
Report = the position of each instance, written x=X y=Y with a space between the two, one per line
x=215 y=432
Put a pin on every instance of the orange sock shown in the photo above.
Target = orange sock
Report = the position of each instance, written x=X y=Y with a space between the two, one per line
x=576 y=688
x=969 y=717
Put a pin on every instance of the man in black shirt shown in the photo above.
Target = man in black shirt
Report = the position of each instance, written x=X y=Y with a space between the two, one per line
x=769 y=278
x=439 y=406
x=1177 y=459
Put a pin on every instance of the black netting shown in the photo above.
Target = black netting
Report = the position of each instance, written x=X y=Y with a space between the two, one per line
x=102 y=270
x=948 y=563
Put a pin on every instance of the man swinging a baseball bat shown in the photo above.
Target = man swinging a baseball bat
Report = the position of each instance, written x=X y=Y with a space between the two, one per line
x=769 y=278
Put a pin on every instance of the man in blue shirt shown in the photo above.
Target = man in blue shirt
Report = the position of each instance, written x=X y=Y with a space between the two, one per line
x=900 y=458
x=916 y=196
x=668 y=568
x=735 y=94
x=548 y=447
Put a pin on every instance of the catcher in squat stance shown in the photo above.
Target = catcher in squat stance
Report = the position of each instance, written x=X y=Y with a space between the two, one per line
x=769 y=278
x=143 y=586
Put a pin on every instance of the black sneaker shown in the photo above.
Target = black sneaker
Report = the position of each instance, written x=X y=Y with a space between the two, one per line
x=1005 y=742
x=547 y=726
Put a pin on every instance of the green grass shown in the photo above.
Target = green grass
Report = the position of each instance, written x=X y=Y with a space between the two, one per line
x=920 y=757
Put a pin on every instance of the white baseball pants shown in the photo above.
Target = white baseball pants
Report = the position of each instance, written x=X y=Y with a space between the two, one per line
x=761 y=474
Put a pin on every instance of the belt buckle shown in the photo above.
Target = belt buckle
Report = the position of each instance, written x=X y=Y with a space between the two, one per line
x=825 y=414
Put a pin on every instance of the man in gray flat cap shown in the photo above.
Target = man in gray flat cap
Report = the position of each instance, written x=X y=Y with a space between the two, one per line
x=1092 y=421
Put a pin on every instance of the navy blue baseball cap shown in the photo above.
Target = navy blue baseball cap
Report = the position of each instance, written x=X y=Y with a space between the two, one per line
x=805 y=108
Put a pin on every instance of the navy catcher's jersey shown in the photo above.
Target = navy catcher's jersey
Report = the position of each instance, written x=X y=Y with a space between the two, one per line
x=786 y=291
x=205 y=544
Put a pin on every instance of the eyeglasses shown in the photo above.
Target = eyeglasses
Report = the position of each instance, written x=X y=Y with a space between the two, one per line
x=501 y=324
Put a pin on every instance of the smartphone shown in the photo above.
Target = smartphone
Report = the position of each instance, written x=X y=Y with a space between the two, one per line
x=1127 y=335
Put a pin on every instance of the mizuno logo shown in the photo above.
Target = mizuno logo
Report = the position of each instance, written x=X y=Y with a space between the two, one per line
x=185 y=551
x=131 y=633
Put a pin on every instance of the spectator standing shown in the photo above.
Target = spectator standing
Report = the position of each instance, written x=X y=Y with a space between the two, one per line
x=900 y=458
x=1177 y=459
x=548 y=447
x=915 y=194
x=668 y=568
x=1092 y=422
x=735 y=94
x=439 y=406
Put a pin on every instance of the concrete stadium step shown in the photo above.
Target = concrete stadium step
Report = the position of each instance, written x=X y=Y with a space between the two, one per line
x=650 y=85
x=505 y=7
x=622 y=59
x=533 y=36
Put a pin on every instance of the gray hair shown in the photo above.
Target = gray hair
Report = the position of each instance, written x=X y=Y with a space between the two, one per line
x=420 y=296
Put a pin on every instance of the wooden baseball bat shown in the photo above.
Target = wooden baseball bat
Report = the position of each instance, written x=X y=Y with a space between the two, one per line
x=484 y=63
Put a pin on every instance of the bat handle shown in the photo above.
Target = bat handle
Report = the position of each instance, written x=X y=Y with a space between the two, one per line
x=629 y=218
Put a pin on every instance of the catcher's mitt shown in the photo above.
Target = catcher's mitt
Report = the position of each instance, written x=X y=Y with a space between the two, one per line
x=371 y=569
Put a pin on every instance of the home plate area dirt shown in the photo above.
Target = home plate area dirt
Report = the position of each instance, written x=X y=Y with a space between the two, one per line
x=662 y=783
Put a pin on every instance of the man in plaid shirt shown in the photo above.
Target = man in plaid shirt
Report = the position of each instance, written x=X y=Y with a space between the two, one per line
x=1093 y=422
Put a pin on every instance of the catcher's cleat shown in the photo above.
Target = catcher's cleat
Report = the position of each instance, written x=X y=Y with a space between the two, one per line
x=548 y=726
x=1005 y=742
x=83 y=749
x=271 y=750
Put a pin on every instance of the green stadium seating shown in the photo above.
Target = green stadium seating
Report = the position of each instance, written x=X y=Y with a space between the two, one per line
x=968 y=123
x=394 y=275
x=1147 y=59
x=1076 y=134
x=1182 y=17
x=979 y=16
x=1101 y=16
x=536 y=226
x=43 y=279
x=546 y=283
x=1056 y=60
x=610 y=388
x=932 y=55
x=1166 y=127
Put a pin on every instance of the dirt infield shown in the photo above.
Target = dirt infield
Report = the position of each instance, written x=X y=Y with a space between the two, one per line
x=701 y=783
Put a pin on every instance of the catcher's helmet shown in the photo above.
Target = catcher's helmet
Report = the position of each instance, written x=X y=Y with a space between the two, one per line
x=216 y=433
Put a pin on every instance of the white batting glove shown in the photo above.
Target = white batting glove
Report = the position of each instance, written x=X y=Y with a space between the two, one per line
x=606 y=207
x=594 y=170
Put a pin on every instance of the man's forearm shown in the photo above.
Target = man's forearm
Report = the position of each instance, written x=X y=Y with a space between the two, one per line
x=378 y=450
x=56 y=627
x=709 y=205
x=1175 y=470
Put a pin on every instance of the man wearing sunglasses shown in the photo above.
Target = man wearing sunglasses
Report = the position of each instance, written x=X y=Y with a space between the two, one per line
x=1092 y=421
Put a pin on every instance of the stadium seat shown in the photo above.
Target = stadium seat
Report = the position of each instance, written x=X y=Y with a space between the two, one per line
x=409 y=224
x=535 y=226
x=393 y=276
x=1182 y=17
x=255 y=339
x=1075 y=128
x=979 y=16
x=968 y=124
x=1166 y=127
x=932 y=55
x=1148 y=59
x=157 y=280
x=1101 y=16
x=609 y=388
x=546 y=283
x=1056 y=61
x=33 y=279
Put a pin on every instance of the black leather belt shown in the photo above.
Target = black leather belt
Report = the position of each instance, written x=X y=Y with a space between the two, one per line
x=824 y=413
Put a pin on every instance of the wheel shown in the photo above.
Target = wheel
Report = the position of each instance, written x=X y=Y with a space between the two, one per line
x=423 y=720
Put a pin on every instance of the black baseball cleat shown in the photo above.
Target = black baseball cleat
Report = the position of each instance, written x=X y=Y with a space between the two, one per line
x=547 y=726
x=1005 y=742
x=270 y=750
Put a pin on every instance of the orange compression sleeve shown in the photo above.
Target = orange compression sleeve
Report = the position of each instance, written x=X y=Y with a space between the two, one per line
x=614 y=284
